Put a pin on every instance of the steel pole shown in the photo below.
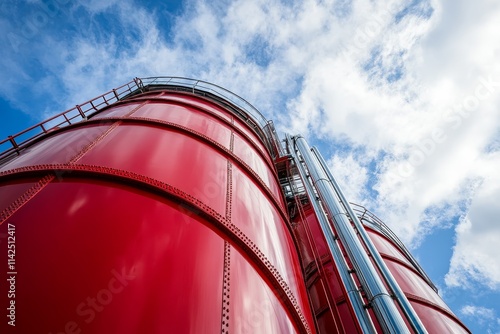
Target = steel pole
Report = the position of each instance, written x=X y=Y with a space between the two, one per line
x=383 y=305
x=386 y=273
x=352 y=291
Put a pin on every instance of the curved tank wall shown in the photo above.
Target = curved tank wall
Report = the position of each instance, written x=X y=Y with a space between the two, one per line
x=329 y=302
x=338 y=295
x=421 y=293
x=161 y=213
x=177 y=210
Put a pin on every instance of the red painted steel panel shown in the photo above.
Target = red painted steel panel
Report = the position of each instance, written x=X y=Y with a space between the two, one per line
x=13 y=190
x=204 y=104
x=251 y=134
x=412 y=283
x=188 y=117
x=316 y=234
x=349 y=324
x=254 y=307
x=317 y=294
x=339 y=318
x=386 y=247
x=58 y=148
x=203 y=122
x=326 y=323
x=118 y=110
x=437 y=323
x=107 y=258
x=168 y=156
x=414 y=286
x=304 y=247
x=197 y=102
x=249 y=155
x=88 y=227
x=335 y=284
x=259 y=219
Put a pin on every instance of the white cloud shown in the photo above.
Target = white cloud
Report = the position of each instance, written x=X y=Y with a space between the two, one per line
x=478 y=311
x=352 y=176
x=330 y=70
x=475 y=259
x=432 y=124
x=482 y=315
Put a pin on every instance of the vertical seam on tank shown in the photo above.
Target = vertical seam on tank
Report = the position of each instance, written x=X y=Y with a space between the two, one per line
x=281 y=289
x=31 y=192
x=229 y=190
x=35 y=189
x=24 y=198
x=226 y=288
x=227 y=247
x=91 y=145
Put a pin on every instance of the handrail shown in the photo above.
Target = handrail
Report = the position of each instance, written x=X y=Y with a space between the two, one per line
x=13 y=144
x=195 y=84
x=242 y=107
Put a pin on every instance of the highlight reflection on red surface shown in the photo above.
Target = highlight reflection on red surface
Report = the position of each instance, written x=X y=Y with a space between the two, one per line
x=164 y=213
x=103 y=254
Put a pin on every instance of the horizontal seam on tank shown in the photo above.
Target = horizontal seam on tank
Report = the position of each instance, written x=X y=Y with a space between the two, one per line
x=208 y=112
x=232 y=231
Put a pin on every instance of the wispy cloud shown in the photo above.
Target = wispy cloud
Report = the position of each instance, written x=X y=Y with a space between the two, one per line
x=412 y=85
x=482 y=315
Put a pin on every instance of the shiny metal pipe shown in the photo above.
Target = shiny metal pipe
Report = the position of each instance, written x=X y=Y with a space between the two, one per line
x=383 y=305
x=352 y=292
x=405 y=305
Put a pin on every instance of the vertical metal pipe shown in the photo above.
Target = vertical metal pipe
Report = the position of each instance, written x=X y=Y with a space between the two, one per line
x=352 y=292
x=383 y=305
x=393 y=285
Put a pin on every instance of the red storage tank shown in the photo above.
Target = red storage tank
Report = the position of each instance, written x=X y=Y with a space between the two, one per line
x=416 y=285
x=169 y=205
x=161 y=213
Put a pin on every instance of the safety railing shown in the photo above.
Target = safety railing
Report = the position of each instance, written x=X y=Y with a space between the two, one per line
x=241 y=107
x=367 y=217
x=15 y=143
x=204 y=86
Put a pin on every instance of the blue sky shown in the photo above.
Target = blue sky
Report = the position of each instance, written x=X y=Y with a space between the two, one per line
x=401 y=96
